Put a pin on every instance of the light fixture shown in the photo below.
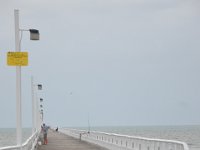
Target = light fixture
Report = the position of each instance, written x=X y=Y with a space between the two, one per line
x=34 y=34
x=41 y=99
x=39 y=86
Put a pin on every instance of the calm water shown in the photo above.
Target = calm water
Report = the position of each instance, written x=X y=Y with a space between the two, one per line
x=8 y=136
x=188 y=134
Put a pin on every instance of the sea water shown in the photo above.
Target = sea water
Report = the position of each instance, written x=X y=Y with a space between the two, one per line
x=8 y=136
x=187 y=134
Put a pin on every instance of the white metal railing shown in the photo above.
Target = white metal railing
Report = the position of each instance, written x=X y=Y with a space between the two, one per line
x=124 y=142
x=29 y=144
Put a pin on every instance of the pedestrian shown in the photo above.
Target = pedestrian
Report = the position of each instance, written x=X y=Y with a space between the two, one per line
x=57 y=129
x=45 y=131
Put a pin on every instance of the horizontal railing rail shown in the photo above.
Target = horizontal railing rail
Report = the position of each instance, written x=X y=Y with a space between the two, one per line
x=29 y=144
x=124 y=142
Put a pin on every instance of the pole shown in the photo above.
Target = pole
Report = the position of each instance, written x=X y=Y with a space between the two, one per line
x=33 y=104
x=42 y=116
x=42 y=113
x=18 y=84
x=37 y=116
x=36 y=112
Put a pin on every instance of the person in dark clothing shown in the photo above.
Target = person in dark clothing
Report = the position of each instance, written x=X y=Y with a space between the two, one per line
x=57 y=129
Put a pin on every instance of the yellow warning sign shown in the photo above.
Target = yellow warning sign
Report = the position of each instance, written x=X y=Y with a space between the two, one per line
x=17 y=58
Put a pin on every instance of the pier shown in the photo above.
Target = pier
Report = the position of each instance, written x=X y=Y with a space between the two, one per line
x=73 y=139
x=59 y=141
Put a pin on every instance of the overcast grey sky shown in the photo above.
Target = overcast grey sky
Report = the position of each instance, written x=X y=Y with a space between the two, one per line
x=122 y=62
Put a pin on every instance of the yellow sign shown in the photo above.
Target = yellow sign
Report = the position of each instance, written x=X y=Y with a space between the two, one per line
x=17 y=58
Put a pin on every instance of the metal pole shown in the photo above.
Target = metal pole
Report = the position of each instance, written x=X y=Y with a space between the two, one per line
x=38 y=115
x=33 y=104
x=42 y=116
x=37 y=120
x=18 y=83
x=36 y=112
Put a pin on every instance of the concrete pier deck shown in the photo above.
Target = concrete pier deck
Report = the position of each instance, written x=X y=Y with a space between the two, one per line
x=59 y=141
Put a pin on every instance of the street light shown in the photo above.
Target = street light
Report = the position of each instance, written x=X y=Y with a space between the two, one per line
x=41 y=99
x=35 y=36
x=34 y=104
x=41 y=109
x=42 y=113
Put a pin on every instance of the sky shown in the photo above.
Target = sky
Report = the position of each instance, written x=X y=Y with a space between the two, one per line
x=112 y=62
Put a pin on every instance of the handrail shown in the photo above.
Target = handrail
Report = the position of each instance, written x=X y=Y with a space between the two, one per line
x=114 y=141
x=143 y=138
x=29 y=144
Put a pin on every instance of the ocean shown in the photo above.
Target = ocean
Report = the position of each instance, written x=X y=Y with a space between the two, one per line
x=188 y=134
x=8 y=136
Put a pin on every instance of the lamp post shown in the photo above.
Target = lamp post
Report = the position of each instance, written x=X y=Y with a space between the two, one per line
x=41 y=109
x=41 y=115
x=41 y=112
x=34 y=104
x=18 y=79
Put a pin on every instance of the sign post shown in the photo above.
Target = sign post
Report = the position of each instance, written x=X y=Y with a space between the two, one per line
x=18 y=83
x=19 y=59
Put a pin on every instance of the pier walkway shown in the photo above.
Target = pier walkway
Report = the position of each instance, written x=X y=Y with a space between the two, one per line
x=59 y=141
